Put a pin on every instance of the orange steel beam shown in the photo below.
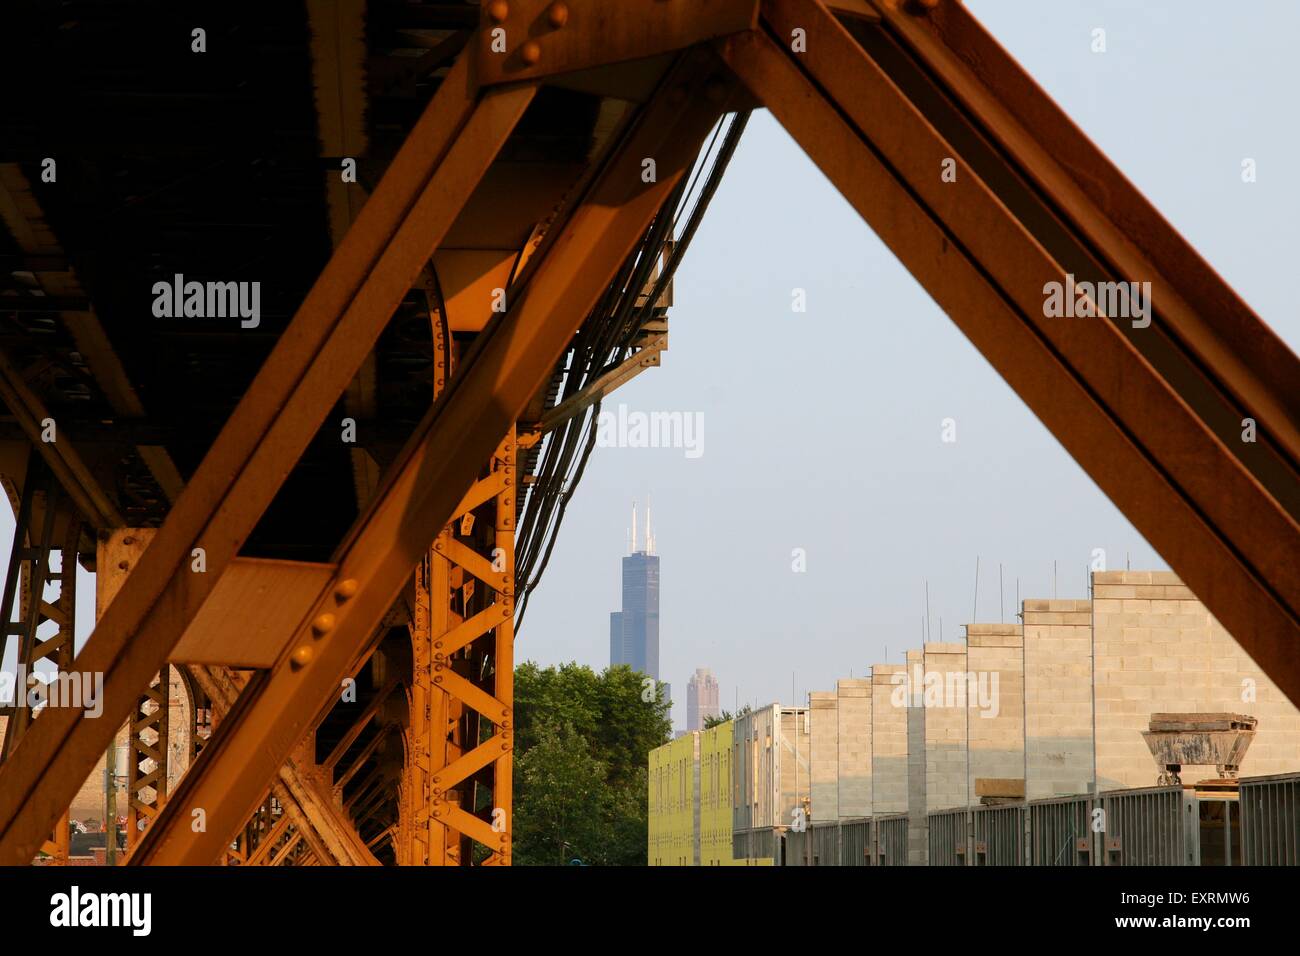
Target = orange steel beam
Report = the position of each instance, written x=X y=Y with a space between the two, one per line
x=315 y=815
x=365 y=753
x=1153 y=412
x=466 y=622
x=312 y=363
x=510 y=361
x=358 y=725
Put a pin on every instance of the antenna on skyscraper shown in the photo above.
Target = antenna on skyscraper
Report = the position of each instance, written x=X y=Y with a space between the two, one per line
x=649 y=535
x=633 y=551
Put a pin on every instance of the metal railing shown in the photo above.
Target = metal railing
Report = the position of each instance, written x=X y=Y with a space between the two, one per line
x=999 y=835
x=1270 y=820
x=1259 y=824
x=1157 y=826
x=949 y=837
x=1060 y=831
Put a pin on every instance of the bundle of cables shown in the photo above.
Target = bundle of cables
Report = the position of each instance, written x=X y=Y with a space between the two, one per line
x=606 y=339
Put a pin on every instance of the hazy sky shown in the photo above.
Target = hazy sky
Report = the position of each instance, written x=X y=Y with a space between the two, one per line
x=822 y=429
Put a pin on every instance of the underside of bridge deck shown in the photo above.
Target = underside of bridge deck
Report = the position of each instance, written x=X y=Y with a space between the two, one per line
x=438 y=234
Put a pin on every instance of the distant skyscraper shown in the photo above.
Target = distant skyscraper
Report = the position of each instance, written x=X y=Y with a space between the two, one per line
x=701 y=698
x=634 y=631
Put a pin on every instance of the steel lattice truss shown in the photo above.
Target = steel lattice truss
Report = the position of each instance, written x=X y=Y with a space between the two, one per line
x=356 y=706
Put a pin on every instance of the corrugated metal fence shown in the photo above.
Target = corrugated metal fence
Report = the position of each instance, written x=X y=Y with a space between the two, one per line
x=1155 y=826
x=999 y=834
x=1270 y=820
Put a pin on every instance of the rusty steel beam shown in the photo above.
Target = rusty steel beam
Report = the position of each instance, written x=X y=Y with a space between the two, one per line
x=532 y=39
x=360 y=723
x=330 y=836
x=68 y=468
x=1151 y=419
x=312 y=363
x=511 y=360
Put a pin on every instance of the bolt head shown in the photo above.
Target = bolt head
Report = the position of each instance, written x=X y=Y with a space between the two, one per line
x=323 y=624
x=302 y=656
x=530 y=52
x=558 y=14
x=347 y=589
x=498 y=10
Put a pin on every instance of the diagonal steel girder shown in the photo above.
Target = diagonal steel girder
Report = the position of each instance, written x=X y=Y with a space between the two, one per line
x=341 y=318
x=313 y=814
x=510 y=361
x=1154 y=412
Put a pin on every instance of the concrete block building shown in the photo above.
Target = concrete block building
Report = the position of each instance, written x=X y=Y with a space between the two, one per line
x=853 y=716
x=1052 y=707
x=1158 y=650
x=995 y=711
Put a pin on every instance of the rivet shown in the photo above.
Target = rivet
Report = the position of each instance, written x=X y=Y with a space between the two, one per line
x=347 y=589
x=302 y=656
x=530 y=52
x=123 y=565
x=558 y=14
x=128 y=540
x=498 y=10
x=322 y=625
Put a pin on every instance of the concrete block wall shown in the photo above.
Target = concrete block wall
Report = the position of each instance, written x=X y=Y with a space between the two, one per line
x=824 y=754
x=752 y=759
x=917 y=840
x=995 y=717
x=1058 y=697
x=792 y=749
x=854 y=703
x=888 y=740
x=944 y=695
x=1159 y=650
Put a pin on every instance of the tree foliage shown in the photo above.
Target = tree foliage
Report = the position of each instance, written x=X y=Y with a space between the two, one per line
x=711 y=721
x=581 y=742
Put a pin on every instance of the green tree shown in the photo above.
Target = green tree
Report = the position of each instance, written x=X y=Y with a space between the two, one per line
x=726 y=715
x=581 y=745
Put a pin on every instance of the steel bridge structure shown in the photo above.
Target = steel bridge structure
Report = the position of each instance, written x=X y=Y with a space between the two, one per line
x=322 y=517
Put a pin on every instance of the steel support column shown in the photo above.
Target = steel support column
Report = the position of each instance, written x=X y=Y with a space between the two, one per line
x=424 y=189
x=458 y=780
x=510 y=362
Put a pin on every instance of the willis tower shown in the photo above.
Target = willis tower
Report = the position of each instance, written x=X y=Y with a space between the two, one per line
x=634 y=631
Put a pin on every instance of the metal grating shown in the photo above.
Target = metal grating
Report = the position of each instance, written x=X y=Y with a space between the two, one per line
x=855 y=843
x=999 y=835
x=949 y=836
x=825 y=839
x=1270 y=820
x=1060 y=833
x=891 y=840
x=1158 y=826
